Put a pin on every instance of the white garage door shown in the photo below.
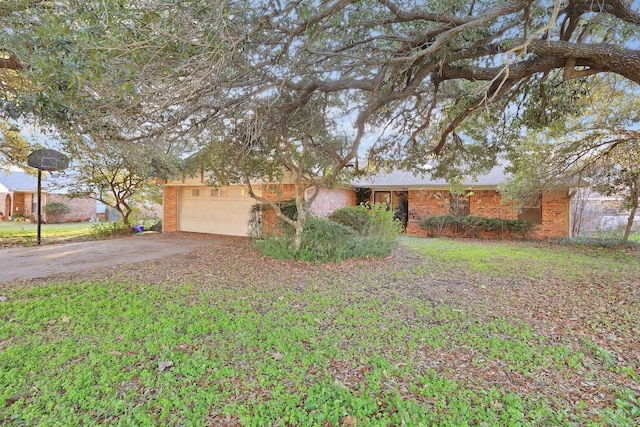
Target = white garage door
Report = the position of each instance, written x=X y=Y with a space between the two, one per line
x=215 y=210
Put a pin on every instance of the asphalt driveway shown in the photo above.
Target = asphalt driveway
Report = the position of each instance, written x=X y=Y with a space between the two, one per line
x=42 y=261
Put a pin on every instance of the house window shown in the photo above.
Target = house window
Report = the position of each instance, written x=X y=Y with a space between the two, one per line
x=532 y=212
x=34 y=203
x=459 y=204
x=214 y=192
x=195 y=193
x=382 y=197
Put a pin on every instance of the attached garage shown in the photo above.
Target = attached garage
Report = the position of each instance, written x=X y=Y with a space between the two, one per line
x=224 y=210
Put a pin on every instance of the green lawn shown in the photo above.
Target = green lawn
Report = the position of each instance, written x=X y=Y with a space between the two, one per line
x=23 y=233
x=444 y=333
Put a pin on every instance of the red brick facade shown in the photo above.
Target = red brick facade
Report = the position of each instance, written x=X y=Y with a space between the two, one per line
x=82 y=209
x=488 y=204
x=328 y=200
x=22 y=203
x=276 y=193
x=170 y=215
x=556 y=215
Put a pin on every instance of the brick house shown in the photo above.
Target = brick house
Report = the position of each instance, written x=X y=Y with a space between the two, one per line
x=19 y=196
x=191 y=205
x=425 y=197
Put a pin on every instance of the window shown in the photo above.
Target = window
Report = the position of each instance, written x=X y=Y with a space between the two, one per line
x=214 y=192
x=532 y=212
x=383 y=197
x=195 y=192
x=459 y=204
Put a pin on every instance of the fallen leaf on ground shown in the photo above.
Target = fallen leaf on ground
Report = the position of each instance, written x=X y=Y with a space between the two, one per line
x=164 y=365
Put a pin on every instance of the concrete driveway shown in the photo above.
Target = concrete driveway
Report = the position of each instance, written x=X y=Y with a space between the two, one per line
x=42 y=261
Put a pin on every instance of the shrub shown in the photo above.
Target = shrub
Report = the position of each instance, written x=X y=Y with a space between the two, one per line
x=600 y=242
x=327 y=241
x=55 y=211
x=472 y=225
x=102 y=230
x=357 y=218
x=384 y=222
x=324 y=240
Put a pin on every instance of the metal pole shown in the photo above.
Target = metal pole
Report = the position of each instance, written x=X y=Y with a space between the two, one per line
x=39 y=202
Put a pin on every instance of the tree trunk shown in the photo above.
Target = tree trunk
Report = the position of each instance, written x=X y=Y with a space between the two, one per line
x=301 y=211
x=632 y=214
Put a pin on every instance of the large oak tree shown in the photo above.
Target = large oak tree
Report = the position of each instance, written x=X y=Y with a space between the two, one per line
x=408 y=79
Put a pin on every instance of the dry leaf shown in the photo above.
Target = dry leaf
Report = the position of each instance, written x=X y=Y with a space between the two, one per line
x=348 y=421
x=65 y=319
x=115 y=353
x=164 y=365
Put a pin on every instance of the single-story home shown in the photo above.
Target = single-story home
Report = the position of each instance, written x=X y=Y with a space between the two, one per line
x=191 y=205
x=19 y=197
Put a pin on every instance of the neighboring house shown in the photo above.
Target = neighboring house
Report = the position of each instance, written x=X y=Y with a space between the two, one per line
x=191 y=205
x=19 y=197
x=594 y=212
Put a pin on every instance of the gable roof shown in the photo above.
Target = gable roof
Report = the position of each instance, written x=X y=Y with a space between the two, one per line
x=405 y=179
x=11 y=181
x=17 y=181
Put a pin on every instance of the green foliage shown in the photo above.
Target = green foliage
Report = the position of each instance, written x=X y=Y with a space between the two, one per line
x=287 y=207
x=328 y=241
x=383 y=222
x=498 y=259
x=328 y=349
x=55 y=211
x=24 y=234
x=473 y=225
x=600 y=242
x=14 y=148
x=357 y=218
x=103 y=230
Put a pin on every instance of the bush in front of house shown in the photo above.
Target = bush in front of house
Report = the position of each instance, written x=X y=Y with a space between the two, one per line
x=55 y=211
x=473 y=225
x=357 y=218
x=324 y=240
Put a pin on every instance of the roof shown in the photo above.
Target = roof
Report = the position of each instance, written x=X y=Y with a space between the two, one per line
x=11 y=181
x=406 y=179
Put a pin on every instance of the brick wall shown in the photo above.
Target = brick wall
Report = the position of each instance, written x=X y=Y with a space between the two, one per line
x=276 y=193
x=329 y=200
x=425 y=203
x=170 y=218
x=488 y=204
x=555 y=215
x=82 y=209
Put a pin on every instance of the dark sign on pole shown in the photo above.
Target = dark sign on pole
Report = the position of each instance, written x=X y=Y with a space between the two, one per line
x=46 y=160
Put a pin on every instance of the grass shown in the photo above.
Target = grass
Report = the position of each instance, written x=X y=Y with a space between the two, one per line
x=78 y=354
x=514 y=259
x=23 y=233
x=332 y=351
